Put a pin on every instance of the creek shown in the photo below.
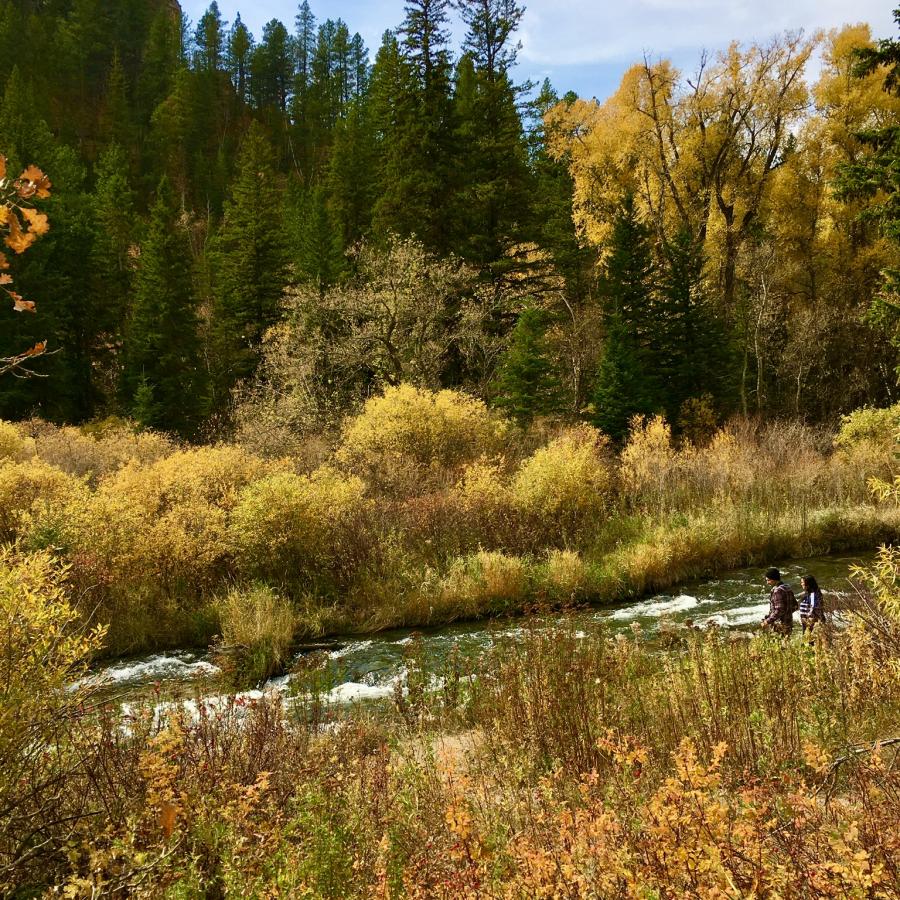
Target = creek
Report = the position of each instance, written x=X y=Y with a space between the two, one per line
x=369 y=668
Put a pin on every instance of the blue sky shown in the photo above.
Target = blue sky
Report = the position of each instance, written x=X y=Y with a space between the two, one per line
x=586 y=46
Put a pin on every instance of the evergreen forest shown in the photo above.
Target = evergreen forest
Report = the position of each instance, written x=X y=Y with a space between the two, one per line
x=229 y=210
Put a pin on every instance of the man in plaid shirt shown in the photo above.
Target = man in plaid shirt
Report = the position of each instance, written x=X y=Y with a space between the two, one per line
x=781 y=604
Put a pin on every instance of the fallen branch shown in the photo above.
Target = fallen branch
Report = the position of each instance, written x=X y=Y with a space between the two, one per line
x=852 y=753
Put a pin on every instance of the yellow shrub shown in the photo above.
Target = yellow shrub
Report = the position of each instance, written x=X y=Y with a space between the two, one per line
x=567 y=574
x=288 y=526
x=29 y=489
x=648 y=458
x=409 y=434
x=484 y=498
x=485 y=582
x=727 y=467
x=42 y=649
x=567 y=481
x=869 y=426
x=94 y=451
x=213 y=475
x=257 y=628
x=13 y=444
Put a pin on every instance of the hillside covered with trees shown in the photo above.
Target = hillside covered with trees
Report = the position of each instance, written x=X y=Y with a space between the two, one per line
x=273 y=227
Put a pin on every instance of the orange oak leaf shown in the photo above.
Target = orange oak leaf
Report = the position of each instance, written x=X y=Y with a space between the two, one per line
x=19 y=241
x=2 y=166
x=4 y=262
x=6 y=279
x=20 y=304
x=33 y=182
x=168 y=815
x=39 y=222
x=37 y=349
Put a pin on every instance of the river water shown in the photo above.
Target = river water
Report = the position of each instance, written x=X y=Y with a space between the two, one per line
x=370 y=668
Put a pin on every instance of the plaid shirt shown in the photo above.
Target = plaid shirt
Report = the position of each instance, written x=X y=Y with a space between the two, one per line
x=781 y=613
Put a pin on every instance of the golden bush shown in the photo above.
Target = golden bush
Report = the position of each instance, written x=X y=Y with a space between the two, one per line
x=649 y=458
x=288 y=526
x=257 y=628
x=212 y=475
x=567 y=483
x=13 y=444
x=96 y=451
x=487 y=581
x=869 y=425
x=567 y=574
x=484 y=501
x=29 y=490
x=43 y=650
x=409 y=435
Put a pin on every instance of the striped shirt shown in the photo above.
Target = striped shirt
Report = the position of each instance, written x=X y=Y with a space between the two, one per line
x=811 y=605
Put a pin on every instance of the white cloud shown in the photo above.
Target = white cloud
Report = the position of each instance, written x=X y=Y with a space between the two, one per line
x=574 y=32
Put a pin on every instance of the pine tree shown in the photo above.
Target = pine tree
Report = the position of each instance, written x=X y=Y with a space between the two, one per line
x=250 y=260
x=272 y=69
x=116 y=123
x=351 y=189
x=239 y=53
x=162 y=58
x=493 y=201
x=319 y=259
x=210 y=41
x=162 y=346
x=412 y=97
x=58 y=273
x=527 y=384
x=24 y=134
x=629 y=380
x=111 y=259
x=694 y=356
x=551 y=205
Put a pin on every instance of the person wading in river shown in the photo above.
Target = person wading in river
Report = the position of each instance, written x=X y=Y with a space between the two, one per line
x=782 y=604
x=812 y=609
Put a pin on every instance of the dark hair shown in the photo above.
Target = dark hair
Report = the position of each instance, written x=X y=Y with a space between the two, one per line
x=773 y=574
x=810 y=583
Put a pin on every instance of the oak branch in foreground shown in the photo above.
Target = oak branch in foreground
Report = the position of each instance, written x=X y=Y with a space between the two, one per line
x=23 y=225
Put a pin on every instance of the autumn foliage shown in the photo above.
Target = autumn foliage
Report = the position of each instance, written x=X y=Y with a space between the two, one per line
x=23 y=225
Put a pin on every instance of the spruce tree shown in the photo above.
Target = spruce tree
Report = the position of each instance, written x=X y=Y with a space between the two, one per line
x=492 y=210
x=238 y=55
x=351 y=189
x=629 y=381
x=318 y=259
x=527 y=384
x=112 y=265
x=250 y=260
x=162 y=383
x=694 y=357
x=412 y=98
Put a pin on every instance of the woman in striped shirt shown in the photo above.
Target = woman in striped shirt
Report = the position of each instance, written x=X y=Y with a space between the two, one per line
x=812 y=609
